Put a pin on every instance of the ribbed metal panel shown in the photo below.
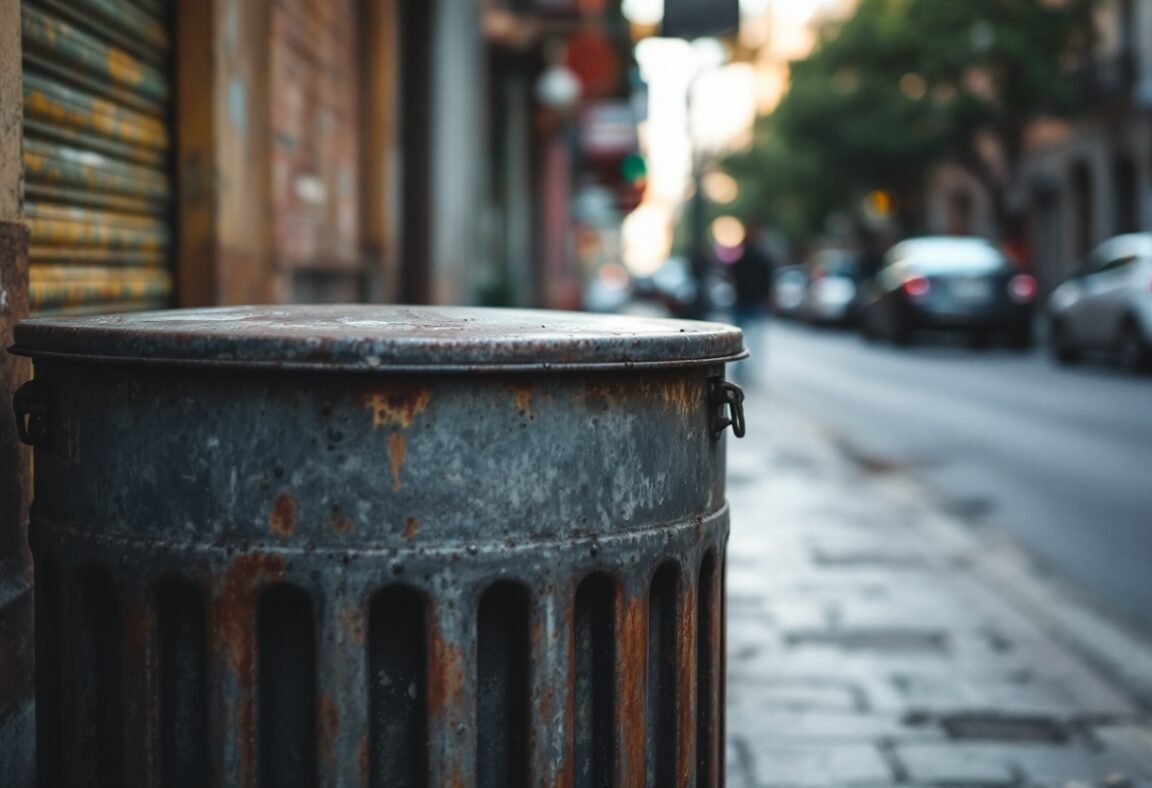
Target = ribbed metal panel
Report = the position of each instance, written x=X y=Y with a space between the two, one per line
x=460 y=573
x=96 y=154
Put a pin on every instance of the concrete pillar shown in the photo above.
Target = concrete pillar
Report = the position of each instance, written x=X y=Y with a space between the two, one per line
x=518 y=195
x=458 y=163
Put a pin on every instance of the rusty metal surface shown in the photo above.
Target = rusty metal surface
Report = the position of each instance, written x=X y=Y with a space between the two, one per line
x=383 y=338
x=355 y=579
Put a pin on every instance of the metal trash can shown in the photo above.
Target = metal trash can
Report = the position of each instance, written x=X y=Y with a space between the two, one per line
x=378 y=546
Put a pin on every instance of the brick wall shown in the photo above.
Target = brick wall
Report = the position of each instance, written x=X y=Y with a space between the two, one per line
x=315 y=117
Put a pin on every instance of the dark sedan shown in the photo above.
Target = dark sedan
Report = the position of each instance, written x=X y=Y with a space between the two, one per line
x=948 y=283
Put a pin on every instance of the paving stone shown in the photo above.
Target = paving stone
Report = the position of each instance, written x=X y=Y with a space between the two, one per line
x=822 y=765
x=935 y=611
x=791 y=726
x=1129 y=747
x=1034 y=764
x=819 y=695
x=952 y=764
x=1052 y=765
x=873 y=556
x=858 y=631
x=899 y=639
x=952 y=692
x=792 y=611
x=737 y=760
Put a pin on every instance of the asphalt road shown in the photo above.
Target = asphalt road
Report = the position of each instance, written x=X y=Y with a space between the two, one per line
x=1059 y=458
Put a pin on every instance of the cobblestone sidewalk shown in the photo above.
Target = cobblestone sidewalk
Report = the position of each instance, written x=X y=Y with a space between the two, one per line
x=866 y=650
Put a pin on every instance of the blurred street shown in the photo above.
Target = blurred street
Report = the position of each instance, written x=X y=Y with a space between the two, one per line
x=1057 y=458
x=874 y=640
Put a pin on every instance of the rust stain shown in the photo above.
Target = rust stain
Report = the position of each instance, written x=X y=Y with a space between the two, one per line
x=397 y=451
x=686 y=687
x=362 y=757
x=546 y=701
x=446 y=682
x=353 y=622
x=234 y=620
x=411 y=527
x=679 y=392
x=330 y=716
x=283 y=519
x=716 y=672
x=631 y=681
x=682 y=394
x=522 y=394
x=234 y=607
x=341 y=524
x=398 y=406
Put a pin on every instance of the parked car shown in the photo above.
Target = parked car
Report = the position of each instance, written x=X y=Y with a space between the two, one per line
x=948 y=283
x=831 y=294
x=789 y=284
x=1106 y=304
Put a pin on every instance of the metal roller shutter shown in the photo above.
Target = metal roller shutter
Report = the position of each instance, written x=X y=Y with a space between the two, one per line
x=96 y=154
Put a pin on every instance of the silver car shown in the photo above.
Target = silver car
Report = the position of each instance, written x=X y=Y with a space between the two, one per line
x=1106 y=304
x=788 y=285
x=831 y=296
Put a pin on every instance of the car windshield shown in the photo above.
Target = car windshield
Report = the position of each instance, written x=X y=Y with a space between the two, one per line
x=948 y=255
x=834 y=263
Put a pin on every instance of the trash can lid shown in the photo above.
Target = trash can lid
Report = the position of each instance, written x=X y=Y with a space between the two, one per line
x=383 y=338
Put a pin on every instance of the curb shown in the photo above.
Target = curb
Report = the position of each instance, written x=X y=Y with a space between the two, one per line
x=1116 y=649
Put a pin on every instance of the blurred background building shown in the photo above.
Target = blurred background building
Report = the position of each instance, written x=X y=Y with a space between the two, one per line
x=1084 y=177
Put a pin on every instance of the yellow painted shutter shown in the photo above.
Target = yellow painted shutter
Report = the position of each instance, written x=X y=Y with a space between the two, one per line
x=97 y=142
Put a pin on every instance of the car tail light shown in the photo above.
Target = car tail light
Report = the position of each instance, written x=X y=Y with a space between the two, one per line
x=1022 y=288
x=916 y=286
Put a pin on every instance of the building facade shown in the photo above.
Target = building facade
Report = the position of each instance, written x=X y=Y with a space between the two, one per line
x=158 y=153
x=1081 y=180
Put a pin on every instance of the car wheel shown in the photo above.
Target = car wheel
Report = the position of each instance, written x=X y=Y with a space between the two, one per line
x=1132 y=351
x=901 y=331
x=978 y=339
x=1062 y=348
x=1021 y=338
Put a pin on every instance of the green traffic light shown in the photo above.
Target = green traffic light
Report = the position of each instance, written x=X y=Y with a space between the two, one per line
x=634 y=168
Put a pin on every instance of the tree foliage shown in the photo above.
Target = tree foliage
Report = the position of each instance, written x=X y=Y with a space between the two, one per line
x=901 y=85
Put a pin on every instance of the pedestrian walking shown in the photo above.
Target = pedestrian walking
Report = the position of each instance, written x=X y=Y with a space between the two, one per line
x=752 y=280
